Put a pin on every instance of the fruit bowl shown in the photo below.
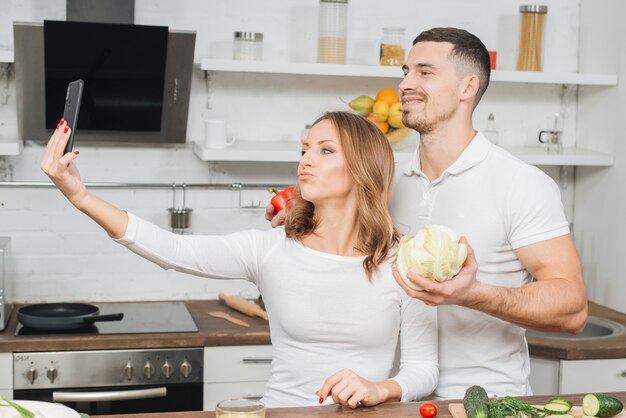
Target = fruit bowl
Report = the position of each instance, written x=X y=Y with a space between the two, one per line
x=385 y=111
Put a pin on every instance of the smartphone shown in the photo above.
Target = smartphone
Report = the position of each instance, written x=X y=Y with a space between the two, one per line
x=72 y=107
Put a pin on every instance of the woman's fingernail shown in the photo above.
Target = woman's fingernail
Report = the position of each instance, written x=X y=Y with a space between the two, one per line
x=61 y=121
x=321 y=399
x=76 y=152
x=66 y=129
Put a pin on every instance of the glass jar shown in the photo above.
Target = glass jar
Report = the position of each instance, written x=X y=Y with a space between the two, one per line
x=248 y=46
x=332 y=31
x=530 y=37
x=392 y=46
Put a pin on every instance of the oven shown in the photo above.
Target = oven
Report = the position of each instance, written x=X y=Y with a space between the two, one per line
x=105 y=382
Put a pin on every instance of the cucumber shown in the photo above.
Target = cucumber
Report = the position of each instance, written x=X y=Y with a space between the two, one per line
x=553 y=408
x=598 y=405
x=561 y=401
x=476 y=402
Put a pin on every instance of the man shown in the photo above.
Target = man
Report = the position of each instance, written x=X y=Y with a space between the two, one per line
x=509 y=213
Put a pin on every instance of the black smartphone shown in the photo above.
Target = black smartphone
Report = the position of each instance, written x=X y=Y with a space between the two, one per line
x=72 y=107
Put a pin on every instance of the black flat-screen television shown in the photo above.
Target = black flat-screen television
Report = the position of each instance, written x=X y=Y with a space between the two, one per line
x=137 y=80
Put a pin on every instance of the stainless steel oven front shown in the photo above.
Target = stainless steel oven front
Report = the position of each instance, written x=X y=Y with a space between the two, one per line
x=103 y=382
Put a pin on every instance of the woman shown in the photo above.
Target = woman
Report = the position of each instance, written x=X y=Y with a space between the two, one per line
x=335 y=310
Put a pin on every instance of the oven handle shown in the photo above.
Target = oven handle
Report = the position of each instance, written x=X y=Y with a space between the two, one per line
x=115 y=395
x=248 y=360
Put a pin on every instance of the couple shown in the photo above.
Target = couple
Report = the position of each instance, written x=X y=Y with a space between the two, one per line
x=336 y=312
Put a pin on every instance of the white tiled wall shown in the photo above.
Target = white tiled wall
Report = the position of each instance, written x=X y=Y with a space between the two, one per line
x=60 y=255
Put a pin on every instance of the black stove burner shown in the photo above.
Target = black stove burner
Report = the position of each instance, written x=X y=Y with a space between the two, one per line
x=139 y=318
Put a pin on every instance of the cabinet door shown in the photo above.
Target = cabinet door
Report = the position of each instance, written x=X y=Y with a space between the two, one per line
x=6 y=371
x=544 y=376
x=215 y=392
x=584 y=376
x=242 y=363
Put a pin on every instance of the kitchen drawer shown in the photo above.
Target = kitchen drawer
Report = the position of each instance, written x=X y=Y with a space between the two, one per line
x=6 y=370
x=215 y=392
x=242 y=363
x=583 y=376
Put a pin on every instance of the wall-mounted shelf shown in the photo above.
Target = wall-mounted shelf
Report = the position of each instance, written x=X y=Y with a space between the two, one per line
x=6 y=57
x=290 y=152
x=10 y=147
x=395 y=72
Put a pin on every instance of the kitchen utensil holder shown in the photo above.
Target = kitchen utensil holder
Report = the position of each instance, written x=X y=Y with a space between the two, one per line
x=253 y=204
x=180 y=217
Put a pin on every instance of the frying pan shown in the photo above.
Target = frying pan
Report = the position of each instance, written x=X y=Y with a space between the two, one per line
x=62 y=316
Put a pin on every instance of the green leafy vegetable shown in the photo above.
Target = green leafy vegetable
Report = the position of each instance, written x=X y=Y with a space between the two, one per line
x=25 y=413
x=511 y=407
x=434 y=252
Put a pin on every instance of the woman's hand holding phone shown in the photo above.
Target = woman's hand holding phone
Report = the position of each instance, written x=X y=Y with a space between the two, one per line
x=58 y=167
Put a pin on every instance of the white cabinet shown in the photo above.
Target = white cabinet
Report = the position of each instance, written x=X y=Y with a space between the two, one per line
x=603 y=375
x=6 y=375
x=290 y=151
x=549 y=376
x=234 y=372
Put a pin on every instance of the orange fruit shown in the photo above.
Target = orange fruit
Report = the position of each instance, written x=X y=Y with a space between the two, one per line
x=383 y=126
x=389 y=95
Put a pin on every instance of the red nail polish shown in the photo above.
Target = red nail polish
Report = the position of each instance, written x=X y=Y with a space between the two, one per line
x=321 y=399
x=76 y=152
x=61 y=121
x=66 y=129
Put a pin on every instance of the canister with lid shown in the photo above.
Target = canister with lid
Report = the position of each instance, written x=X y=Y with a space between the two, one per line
x=332 y=31
x=248 y=46
x=531 y=37
x=392 y=46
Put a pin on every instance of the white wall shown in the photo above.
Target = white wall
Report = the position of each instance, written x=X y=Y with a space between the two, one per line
x=600 y=200
x=60 y=255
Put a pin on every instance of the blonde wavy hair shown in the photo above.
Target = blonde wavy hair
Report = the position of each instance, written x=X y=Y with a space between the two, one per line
x=370 y=162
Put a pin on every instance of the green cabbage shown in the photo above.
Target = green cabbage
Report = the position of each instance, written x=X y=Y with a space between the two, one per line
x=434 y=252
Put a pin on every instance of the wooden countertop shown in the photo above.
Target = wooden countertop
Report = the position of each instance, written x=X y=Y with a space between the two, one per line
x=216 y=332
x=211 y=332
x=388 y=410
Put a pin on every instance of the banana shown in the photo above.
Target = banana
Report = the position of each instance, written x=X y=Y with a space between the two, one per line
x=398 y=135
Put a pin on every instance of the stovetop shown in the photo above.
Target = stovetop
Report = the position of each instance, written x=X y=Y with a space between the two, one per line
x=139 y=318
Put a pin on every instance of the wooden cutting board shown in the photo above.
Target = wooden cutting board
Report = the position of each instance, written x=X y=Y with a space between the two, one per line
x=458 y=411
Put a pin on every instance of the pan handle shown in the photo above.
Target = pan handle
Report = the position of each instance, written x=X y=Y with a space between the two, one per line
x=109 y=317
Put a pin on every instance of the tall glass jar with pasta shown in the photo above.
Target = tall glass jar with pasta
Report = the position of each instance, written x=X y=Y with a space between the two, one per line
x=332 y=31
x=531 y=37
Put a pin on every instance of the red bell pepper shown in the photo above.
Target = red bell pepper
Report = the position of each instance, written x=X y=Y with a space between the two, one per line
x=281 y=198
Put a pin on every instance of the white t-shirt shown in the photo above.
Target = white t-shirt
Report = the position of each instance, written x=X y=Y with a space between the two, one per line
x=499 y=203
x=324 y=315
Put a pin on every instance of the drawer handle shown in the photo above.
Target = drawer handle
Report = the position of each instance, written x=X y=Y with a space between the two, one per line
x=256 y=360
x=252 y=396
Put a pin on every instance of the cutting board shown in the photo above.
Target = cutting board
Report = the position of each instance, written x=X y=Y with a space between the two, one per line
x=458 y=411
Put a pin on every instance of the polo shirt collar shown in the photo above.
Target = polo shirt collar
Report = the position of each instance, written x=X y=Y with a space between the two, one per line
x=473 y=155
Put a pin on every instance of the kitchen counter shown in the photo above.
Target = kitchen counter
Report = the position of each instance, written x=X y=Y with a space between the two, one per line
x=211 y=332
x=388 y=410
x=216 y=332
x=597 y=348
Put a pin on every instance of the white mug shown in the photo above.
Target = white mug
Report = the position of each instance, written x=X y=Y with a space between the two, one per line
x=215 y=134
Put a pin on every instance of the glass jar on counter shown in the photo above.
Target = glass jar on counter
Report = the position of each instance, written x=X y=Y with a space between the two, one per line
x=392 y=46
x=332 y=31
x=248 y=46
x=530 y=37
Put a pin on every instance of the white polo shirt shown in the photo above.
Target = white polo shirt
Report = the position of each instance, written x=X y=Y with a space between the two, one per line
x=499 y=203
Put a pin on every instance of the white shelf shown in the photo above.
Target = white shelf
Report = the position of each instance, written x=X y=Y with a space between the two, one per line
x=290 y=152
x=11 y=147
x=267 y=67
x=569 y=156
x=6 y=57
x=251 y=151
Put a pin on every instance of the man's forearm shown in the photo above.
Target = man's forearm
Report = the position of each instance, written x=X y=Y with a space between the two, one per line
x=549 y=305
